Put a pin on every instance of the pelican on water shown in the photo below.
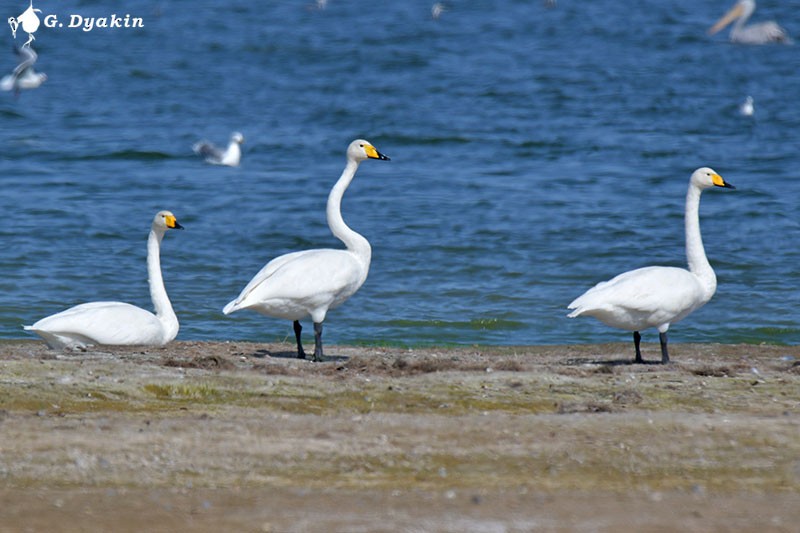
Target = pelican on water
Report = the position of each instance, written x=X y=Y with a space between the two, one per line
x=758 y=33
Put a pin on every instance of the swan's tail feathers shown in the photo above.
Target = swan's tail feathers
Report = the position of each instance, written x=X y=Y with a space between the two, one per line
x=578 y=306
x=231 y=307
x=585 y=302
x=576 y=312
x=54 y=341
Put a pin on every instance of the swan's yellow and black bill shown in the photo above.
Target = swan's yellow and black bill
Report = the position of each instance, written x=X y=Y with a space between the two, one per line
x=717 y=180
x=172 y=222
x=372 y=153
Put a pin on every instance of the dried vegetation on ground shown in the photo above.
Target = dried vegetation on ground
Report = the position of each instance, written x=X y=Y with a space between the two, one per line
x=243 y=435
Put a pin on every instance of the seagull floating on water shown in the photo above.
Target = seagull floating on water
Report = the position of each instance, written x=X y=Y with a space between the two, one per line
x=230 y=157
x=746 y=108
x=437 y=9
x=23 y=76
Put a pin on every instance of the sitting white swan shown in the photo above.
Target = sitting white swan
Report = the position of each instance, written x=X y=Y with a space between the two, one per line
x=230 y=157
x=310 y=282
x=658 y=296
x=118 y=323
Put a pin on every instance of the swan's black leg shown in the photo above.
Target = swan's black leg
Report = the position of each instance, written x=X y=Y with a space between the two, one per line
x=636 y=340
x=297 y=330
x=664 y=354
x=318 y=342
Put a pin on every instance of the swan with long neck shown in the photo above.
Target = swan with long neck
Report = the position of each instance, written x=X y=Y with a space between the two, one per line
x=118 y=323
x=758 y=33
x=658 y=296
x=310 y=282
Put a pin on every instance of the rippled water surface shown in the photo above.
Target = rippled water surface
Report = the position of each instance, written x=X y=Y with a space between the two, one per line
x=534 y=153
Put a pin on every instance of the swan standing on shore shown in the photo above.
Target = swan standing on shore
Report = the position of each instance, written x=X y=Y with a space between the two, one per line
x=658 y=296
x=311 y=282
x=230 y=157
x=118 y=323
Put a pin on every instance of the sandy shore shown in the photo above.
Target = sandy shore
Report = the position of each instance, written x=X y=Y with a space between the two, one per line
x=233 y=436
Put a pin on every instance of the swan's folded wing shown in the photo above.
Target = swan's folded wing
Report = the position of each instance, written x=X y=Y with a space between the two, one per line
x=307 y=275
x=104 y=323
x=262 y=276
x=663 y=290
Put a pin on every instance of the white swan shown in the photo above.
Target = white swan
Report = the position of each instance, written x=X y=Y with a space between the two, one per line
x=658 y=296
x=310 y=282
x=758 y=33
x=231 y=157
x=23 y=76
x=118 y=323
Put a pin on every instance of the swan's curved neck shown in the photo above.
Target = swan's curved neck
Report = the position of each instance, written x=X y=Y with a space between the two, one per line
x=158 y=293
x=695 y=252
x=354 y=242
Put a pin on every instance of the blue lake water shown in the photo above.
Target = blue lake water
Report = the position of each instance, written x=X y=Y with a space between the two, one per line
x=534 y=153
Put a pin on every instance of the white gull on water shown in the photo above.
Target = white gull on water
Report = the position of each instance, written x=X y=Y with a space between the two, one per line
x=231 y=156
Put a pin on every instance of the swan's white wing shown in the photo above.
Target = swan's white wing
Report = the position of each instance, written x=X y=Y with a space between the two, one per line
x=114 y=323
x=262 y=275
x=642 y=298
x=301 y=282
